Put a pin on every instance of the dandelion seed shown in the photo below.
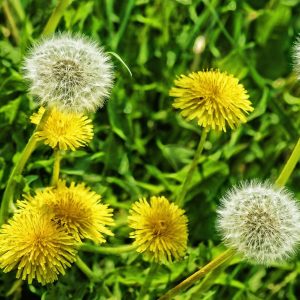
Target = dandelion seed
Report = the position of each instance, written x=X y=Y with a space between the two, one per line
x=77 y=209
x=213 y=98
x=260 y=221
x=160 y=229
x=64 y=130
x=34 y=246
x=69 y=72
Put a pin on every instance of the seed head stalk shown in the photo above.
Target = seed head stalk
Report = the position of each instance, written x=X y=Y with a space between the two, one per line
x=8 y=195
x=181 y=196
x=289 y=166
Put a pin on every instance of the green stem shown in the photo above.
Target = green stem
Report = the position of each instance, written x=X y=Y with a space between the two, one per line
x=56 y=16
x=86 y=270
x=152 y=270
x=11 y=183
x=16 y=4
x=219 y=260
x=56 y=167
x=107 y=250
x=289 y=166
x=8 y=196
x=209 y=280
x=181 y=197
x=11 y=21
x=15 y=290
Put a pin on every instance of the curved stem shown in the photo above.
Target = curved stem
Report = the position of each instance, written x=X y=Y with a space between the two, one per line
x=8 y=196
x=11 y=183
x=148 y=280
x=107 y=250
x=86 y=270
x=56 y=167
x=289 y=166
x=180 y=199
x=219 y=260
x=209 y=280
x=56 y=16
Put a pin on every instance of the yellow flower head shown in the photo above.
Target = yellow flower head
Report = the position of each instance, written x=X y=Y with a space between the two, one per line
x=33 y=245
x=77 y=209
x=160 y=228
x=64 y=130
x=213 y=98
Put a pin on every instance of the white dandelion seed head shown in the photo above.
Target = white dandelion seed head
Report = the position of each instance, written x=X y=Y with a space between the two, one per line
x=69 y=72
x=260 y=221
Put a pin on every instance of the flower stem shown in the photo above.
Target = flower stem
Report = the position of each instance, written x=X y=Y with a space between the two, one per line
x=107 y=250
x=180 y=199
x=86 y=270
x=56 y=167
x=56 y=16
x=219 y=260
x=11 y=183
x=11 y=21
x=148 y=280
x=8 y=195
x=18 y=8
x=289 y=166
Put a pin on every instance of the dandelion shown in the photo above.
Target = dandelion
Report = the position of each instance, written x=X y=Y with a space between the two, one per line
x=260 y=221
x=63 y=130
x=36 y=247
x=76 y=208
x=69 y=72
x=213 y=98
x=160 y=228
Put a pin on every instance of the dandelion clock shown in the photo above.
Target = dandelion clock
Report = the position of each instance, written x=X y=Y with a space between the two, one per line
x=69 y=72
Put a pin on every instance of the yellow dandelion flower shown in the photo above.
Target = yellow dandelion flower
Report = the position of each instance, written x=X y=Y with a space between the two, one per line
x=160 y=228
x=77 y=209
x=33 y=245
x=64 y=130
x=213 y=98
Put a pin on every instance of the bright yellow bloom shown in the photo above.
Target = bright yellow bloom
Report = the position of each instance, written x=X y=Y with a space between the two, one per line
x=213 y=98
x=64 y=130
x=77 y=209
x=36 y=247
x=160 y=228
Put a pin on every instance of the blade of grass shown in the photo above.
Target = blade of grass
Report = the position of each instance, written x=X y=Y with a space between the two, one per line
x=117 y=38
x=11 y=22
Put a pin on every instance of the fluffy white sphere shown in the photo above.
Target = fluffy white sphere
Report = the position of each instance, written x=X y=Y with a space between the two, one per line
x=260 y=221
x=69 y=72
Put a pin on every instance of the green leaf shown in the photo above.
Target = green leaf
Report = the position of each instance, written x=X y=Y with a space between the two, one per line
x=10 y=110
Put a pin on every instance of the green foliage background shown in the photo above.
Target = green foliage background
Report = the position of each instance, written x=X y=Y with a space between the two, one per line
x=142 y=146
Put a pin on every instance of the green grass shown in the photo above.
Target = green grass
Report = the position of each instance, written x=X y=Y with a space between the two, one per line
x=142 y=146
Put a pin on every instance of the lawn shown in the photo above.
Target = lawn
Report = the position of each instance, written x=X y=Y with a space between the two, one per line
x=143 y=147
